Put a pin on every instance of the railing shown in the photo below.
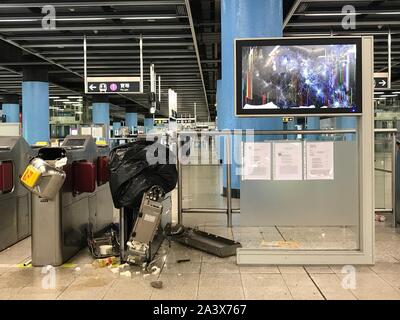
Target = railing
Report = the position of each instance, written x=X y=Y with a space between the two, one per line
x=393 y=134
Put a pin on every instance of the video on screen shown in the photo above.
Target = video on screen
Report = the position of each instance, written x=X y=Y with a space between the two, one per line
x=302 y=78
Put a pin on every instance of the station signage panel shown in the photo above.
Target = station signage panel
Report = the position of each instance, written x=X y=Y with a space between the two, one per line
x=381 y=80
x=111 y=85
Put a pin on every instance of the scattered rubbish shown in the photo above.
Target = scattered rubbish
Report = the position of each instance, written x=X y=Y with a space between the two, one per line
x=146 y=275
x=281 y=244
x=105 y=262
x=106 y=249
x=182 y=260
x=27 y=263
x=155 y=270
x=122 y=266
x=104 y=244
x=380 y=218
x=23 y=265
x=77 y=269
x=179 y=274
x=126 y=274
x=115 y=270
x=157 y=284
x=137 y=272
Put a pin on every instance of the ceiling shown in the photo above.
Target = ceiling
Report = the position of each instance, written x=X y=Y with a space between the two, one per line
x=181 y=37
x=324 y=18
x=113 y=29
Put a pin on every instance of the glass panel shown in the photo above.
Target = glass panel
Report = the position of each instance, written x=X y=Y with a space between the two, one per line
x=383 y=171
x=202 y=174
x=321 y=214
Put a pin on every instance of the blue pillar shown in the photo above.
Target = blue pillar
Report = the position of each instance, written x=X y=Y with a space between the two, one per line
x=11 y=108
x=131 y=119
x=313 y=123
x=101 y=112
x=35 y=105
x=116 y=125
x=148 y=124
x=291 y=125
x=347 y=123
x=245 y=19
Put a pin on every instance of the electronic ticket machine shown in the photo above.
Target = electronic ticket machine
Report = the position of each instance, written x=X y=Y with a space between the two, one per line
x=70 y=197
x=15 y=206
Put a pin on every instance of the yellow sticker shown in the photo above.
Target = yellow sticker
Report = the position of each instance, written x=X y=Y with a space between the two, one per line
x=23 y=265
x=41 y=143
x=30 y=176
x=69 y=265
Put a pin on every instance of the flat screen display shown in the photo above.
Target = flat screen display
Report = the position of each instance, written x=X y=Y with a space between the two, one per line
x=298 y=76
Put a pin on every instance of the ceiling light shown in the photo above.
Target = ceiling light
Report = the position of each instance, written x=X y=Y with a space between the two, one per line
x=148 y=18
x=396 y=92
x=60 y=100
x=54 y=97
x=80 y=19
x=389 y=12
x=19 y=20
x=78 y=112
x=389 y=95
x=322 y=14
x=74 y=97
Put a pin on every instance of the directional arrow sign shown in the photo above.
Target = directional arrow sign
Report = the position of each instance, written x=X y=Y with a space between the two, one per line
x=381 y=80
x=112 y=85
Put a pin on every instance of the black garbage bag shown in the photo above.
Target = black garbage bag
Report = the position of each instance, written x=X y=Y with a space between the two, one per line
x=136 y=167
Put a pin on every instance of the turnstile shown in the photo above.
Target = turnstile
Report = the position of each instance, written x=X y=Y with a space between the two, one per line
x=83 y=204
x=15 y=205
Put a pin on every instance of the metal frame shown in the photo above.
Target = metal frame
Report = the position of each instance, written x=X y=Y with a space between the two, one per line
x=393 y=135
x=365 y=145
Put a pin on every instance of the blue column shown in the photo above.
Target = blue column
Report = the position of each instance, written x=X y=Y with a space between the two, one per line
x=245 y=19
x=35 y=105
x=11 y=108
x=148 y=124
x=116 y=125
x=313 y=123
x=347 y=123
x=101 y=112
x=131 y=119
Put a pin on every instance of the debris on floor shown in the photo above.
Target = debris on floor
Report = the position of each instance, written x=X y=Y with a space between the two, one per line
x=126 y=274
x=380 y=218
x=155 y=270
x=105 y=262
x=182 y=260
x=157 y=284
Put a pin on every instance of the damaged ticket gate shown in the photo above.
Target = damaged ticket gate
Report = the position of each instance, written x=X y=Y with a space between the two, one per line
x=70 y=197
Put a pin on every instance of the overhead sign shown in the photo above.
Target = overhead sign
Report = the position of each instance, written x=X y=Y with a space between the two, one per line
x=172 y=103
x=112 y=85
x=381 y=80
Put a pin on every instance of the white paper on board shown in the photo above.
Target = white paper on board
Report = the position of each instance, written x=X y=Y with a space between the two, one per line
x=288 y=161
x=256 y=161
x=320 y=160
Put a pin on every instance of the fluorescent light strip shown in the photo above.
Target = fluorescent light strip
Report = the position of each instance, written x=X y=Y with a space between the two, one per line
x=147 y=18
x=391 y=13
x=332 y=14
x=379 y=93
x=19 y=20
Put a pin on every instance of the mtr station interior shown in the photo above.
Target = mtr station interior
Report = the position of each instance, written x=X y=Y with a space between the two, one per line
x=199 y=150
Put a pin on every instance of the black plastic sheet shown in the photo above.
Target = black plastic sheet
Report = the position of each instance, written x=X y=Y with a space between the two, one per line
x=136 y=167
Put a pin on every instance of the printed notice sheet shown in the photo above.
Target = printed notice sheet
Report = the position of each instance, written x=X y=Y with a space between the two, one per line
x=288 y=161
x=320 y=161
x=256 y=161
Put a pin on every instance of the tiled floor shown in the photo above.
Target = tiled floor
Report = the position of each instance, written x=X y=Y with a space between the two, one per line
x=204 y=277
